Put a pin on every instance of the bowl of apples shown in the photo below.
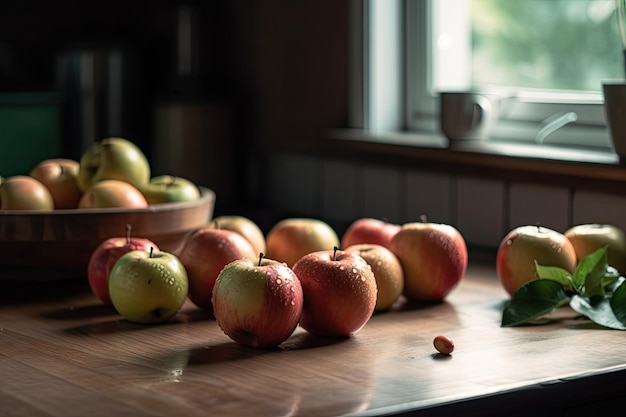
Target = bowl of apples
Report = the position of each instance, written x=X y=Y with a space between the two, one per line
x=54 y=217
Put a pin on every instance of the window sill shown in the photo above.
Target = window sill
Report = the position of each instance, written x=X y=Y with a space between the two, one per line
x=595 y=169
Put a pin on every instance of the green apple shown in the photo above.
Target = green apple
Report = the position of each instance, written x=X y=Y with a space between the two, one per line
x=113 y=159
x=292 y=238
x=112 y=193
x=244 y=226
x=148 y=287
x=60 y=176
x=523 y=246
x=587 y=238
x=23 y=192
x=169 y=189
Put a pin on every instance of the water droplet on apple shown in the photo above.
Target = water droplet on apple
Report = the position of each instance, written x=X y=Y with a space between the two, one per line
x=354 y=270
x=278 y=281
x=509 y=242
x=431 y=235
x=293 y=303
x=379 y=263
x=341 y=268
x=363 y=278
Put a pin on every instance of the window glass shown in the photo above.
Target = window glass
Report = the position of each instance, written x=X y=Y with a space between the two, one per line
x=549 y=57
x=545 y=44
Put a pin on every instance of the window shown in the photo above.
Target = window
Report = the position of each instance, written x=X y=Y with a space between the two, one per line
x=547 y=59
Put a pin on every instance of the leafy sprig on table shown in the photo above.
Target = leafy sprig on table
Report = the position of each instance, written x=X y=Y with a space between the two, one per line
x=595 y=290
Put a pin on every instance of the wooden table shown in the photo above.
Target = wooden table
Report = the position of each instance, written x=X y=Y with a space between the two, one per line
x=63 y=353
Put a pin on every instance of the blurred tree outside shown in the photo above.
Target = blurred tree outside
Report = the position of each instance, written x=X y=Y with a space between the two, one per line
x=568 y=45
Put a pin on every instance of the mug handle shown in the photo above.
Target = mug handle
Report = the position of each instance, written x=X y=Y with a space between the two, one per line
x=482 y=110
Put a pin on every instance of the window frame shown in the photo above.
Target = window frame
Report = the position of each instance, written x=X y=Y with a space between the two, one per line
x=381 y=103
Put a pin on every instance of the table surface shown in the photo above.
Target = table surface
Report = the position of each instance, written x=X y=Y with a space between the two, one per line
x=64 y=353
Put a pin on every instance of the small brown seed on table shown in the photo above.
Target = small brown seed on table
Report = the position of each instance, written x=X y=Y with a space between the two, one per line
x=444 y=344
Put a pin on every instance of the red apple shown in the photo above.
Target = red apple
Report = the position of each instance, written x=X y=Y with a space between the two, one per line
x=290 y=239
x=339 y=292
x=257 y=303
x=104 y=257
x=23 y=192
x=244 y=226
x=525 y=245
x=369 y=230
x=59 y=175
x=588 y=238
x=387 y=271
x=433 y=257
x=112 y=193
x=205 y=252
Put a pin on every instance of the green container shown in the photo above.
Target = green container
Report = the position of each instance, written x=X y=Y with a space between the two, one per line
x=30 y=131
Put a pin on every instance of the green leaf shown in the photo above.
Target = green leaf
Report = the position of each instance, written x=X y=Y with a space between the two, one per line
x=533 y=300
x=555 y=273
x=600 y=311
x=589 y=273
x=618 y=303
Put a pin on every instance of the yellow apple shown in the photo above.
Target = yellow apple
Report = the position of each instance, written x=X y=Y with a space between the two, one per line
x=245 y=227
x=112 y=193
x=387 y=270
x=23 y=192
x=587 y=238
x=292 y=238
x=60 y=176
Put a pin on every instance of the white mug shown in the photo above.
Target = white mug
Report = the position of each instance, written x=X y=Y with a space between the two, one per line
x=466 y=115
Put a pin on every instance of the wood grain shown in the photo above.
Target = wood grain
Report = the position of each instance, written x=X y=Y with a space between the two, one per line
x=57 y=244
x=63 y=353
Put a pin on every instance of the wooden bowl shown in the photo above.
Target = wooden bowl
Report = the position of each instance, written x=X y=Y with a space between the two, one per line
x=37 y=245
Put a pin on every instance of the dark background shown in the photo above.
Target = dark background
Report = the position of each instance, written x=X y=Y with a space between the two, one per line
x=280 y=68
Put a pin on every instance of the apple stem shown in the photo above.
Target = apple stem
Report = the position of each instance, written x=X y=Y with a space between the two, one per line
x=261 y=255
x=128 y=229
x=335 y=249
x=151 y=250
x=538 y=226
x=423 y=218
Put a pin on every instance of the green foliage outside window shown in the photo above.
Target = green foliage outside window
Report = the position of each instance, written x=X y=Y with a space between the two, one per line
x=546 y=44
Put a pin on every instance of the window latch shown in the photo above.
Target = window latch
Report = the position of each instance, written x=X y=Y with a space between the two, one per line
x=554 y=123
